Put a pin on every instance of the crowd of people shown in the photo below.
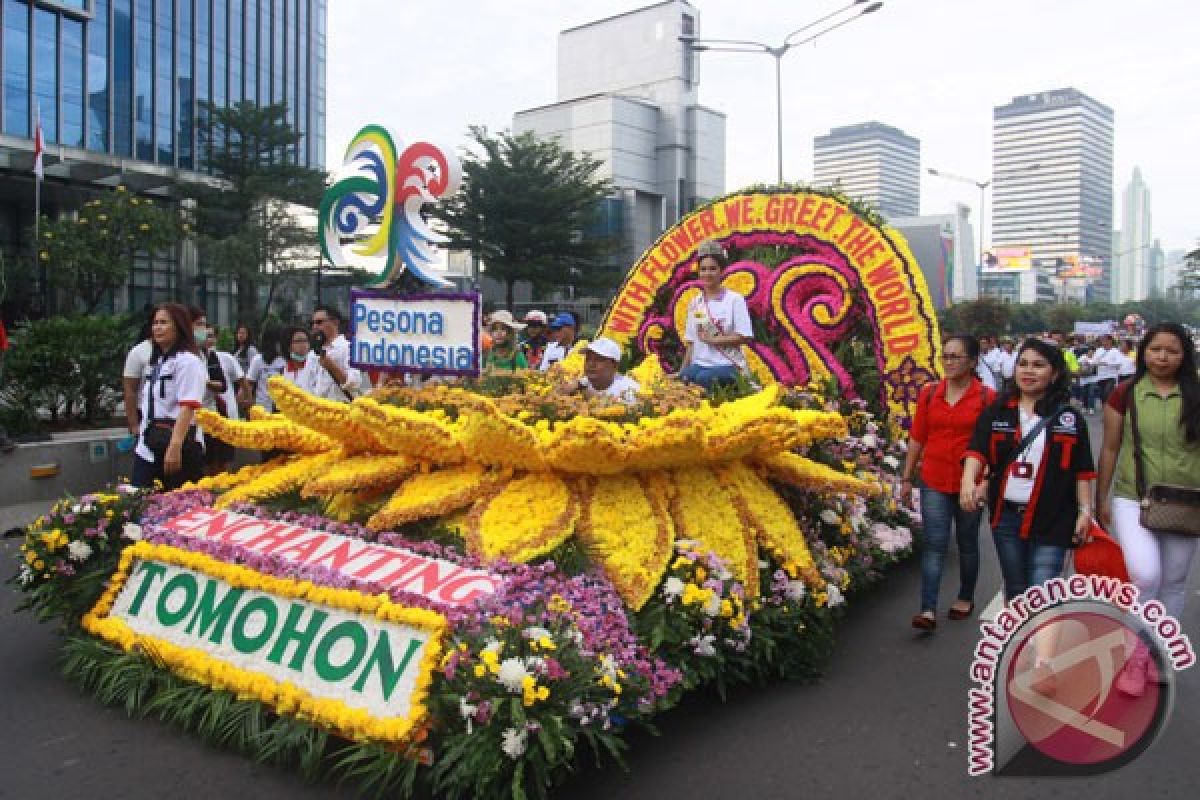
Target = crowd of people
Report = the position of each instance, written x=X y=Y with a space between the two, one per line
x=1022 y=451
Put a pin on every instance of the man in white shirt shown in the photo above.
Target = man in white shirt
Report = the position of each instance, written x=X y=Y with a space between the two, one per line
x=336 y=379
x=562 y=339
x=1108 y=361
x=1009 y=364
x=136 y=362
x=993 y=356
x=601 y=359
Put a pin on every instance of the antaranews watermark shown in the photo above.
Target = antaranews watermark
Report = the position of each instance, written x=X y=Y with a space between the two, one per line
x=1075 y=677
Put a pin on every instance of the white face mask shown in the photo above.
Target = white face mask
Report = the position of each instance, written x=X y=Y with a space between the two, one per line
x=298 y=356
x=201 y=335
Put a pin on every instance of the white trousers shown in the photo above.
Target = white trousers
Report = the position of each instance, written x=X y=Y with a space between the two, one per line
x=1158 y=562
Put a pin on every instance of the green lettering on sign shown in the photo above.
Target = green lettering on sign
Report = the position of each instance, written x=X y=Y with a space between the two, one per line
x=349 y=629
x=149 y=572
x=212 y=615
x=381 y=659
x=243 y=642
x=302 y=638
x=185 y=581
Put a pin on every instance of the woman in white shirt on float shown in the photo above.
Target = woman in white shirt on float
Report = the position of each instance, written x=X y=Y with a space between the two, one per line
x=172 y=391
x=718 y=325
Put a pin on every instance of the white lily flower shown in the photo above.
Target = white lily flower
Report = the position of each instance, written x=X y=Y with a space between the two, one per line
x=513 y=742
x=79 y=550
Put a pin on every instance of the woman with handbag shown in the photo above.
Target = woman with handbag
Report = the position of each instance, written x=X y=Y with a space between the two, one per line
x=1040 y=482
x=946 y=414
x=168 y=447
x=1152 y=449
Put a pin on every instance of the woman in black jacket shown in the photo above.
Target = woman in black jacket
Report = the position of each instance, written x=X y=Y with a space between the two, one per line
x=1036 y=449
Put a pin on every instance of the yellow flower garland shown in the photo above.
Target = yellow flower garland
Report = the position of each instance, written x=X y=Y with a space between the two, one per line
x=199 y=667
x=703 y=512
x=764 y=511
x=264 y=434
x=324 y=416
x=804 y=473
x=360 y=472
x=278 y=481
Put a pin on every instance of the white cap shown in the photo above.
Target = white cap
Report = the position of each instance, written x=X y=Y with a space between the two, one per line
x=605 y=347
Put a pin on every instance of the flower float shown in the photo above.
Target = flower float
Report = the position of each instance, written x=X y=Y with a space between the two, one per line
x=627 y=487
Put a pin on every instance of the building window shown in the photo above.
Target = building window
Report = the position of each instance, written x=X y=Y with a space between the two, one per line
x=235 y=52
x=250 y=46
x=97 y=78
x=72 y=82
x=203 y=42
x=16 y=68
x=164 y=75
x=45 y=71
x=122 y=77
x=186 y=111
x=143 y=79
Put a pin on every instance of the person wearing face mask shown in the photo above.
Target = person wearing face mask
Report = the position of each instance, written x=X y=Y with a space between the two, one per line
x=224 y=377
x=718 y=325
x=300 y=364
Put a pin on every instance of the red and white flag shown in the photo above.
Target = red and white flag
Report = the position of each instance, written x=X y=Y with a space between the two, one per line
x=39 y=146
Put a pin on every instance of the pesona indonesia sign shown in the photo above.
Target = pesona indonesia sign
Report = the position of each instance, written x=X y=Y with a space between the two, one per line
x=436 y=334
x=358 y=665
x=391 y=568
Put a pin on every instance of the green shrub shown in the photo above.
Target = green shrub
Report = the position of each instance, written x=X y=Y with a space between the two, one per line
x=67 y=367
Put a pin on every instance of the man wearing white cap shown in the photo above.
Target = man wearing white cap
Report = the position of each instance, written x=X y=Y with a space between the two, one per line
x=535 y=339
x=600 y=361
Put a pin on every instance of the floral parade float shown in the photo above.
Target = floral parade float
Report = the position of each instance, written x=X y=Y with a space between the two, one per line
x=454 y=589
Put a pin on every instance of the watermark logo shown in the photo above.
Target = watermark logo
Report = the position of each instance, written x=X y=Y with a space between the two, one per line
x=1075 y=677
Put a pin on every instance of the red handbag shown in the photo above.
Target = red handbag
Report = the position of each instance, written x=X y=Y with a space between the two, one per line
x=1101 y=556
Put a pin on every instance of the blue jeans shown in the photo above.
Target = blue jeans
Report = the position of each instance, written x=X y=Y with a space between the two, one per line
x=708 y=377
x=1023 y=562
x=939 y=511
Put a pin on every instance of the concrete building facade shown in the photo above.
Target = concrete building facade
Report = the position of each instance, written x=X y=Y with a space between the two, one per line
x=1134 y=273
x=628 y=95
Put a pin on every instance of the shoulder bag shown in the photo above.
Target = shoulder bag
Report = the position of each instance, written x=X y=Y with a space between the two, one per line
x=1165 y=507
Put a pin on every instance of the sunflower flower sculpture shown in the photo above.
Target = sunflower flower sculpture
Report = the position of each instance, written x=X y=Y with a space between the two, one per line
x=523 y=472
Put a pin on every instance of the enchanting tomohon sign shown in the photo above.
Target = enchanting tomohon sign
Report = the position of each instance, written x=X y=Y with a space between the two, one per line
x=358 y=665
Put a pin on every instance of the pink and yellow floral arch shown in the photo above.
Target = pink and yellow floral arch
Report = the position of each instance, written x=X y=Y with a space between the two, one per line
x=837 y=268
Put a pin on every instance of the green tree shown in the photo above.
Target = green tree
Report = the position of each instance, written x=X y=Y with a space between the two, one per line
x=1189 y=279
x=92 y=255
x=247 y=222
x=524 y=208
x=1062 y=317
x=985 y=315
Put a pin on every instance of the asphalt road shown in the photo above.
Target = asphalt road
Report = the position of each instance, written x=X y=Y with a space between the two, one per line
x=888 y=722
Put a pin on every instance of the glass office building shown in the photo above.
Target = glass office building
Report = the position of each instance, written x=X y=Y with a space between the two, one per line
x=129 y=78
x=120 y=87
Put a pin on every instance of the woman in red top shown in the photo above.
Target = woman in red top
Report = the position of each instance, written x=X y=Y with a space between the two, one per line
x=946 y=415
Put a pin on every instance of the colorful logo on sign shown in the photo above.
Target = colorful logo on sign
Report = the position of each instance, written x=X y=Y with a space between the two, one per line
x=375 y=205
x=813 y=269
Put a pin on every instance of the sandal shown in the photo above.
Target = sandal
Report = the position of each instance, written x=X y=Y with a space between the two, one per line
x=960 y=613
x=925 y=621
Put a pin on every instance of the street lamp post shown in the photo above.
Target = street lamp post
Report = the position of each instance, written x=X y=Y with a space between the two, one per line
x=982 y=186
x=777 y=52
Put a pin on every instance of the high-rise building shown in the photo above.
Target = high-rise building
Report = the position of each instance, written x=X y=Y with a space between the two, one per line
x=1052 y=180
x=873 y=162
x=628 y=95
x=1134 y=276
x=120 y=86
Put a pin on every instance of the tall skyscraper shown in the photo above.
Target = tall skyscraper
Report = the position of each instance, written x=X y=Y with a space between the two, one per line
x=628 y=95
x=874 y=162
x=1134 y=274
x=1052 y=180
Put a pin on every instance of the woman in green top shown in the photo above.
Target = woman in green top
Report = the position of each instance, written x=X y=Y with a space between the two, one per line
x=1166 y=390
x=506 y=352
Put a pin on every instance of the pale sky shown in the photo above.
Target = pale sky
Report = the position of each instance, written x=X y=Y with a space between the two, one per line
x=933 y=68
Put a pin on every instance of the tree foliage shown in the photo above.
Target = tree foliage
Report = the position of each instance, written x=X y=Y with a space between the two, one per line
x=1189 y=278
x=524 y=209
x=92 y=255
x=247 y=228
x=985 y=315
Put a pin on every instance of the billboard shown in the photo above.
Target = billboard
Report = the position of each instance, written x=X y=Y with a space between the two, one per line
x=1009 y=258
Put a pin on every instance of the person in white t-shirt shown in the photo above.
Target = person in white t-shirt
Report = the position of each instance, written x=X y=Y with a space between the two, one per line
x=1128 y=360
x=562 y=339
x=300 y=363
x=335 y=380
x=601 y=359
x=172 y=390
x=718 y=325
x=136 y=361
x=1108 y=366
x=263 y=366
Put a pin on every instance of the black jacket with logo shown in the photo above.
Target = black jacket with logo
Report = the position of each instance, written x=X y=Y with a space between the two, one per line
x=1067 y=458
